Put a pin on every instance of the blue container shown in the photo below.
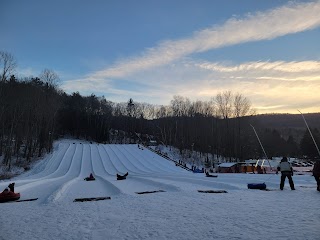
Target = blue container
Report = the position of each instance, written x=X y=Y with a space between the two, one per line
x=260 y=186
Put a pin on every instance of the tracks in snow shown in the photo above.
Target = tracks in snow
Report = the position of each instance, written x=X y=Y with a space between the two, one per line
x=60 y=177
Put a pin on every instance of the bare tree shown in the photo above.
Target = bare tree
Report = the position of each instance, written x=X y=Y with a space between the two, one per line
x=201 y=108
x=49 y=77
x=229 y=105
x=145 y=110
x=242 y=106
x=8 y=64
x=163 y=111
x=180 y=106
x=224 y=104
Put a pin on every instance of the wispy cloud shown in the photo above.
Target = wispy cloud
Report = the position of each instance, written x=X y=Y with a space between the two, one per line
x=278 y=86
x=168 y=68
x=271 y=86
x=276 y=66
x=281 y=21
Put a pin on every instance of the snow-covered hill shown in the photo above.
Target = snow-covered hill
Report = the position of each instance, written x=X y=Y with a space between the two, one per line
x=179 y=212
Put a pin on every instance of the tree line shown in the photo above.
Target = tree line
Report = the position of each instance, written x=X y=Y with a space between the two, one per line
x=34 y=112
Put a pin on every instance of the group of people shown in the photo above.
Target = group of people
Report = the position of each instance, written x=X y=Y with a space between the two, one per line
x=284 y=167
x=119 y=177
x=287 y=172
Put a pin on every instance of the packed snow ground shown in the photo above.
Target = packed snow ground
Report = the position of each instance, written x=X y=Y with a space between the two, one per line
x=181 y=212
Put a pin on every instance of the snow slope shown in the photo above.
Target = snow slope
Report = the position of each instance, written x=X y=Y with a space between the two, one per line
x=180 y=212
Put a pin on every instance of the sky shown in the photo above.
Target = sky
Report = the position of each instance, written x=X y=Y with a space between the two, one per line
x=151 y=50
x=179 y=212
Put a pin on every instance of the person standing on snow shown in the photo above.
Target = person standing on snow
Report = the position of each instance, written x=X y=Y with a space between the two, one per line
x=316 y=173
x=286 y=172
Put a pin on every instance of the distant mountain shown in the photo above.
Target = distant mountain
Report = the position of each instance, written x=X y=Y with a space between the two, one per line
x=288 y=124
x=295 y=121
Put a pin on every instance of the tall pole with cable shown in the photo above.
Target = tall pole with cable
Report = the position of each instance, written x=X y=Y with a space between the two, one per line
x=314 y=141
x=265 y=154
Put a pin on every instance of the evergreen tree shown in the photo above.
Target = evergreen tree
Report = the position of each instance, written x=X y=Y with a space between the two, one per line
x=307 y=145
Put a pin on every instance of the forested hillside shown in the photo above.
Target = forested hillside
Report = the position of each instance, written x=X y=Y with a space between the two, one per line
x=34 y=111
x=294 y=121
x=289 y=124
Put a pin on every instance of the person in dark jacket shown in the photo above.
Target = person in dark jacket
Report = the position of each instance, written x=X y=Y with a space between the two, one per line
x=90 y=178
x=316 y=173
x=9 y=188
x=286 y=172
x=122 y=177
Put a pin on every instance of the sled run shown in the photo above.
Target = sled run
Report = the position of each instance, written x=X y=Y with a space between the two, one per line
x=68 y=207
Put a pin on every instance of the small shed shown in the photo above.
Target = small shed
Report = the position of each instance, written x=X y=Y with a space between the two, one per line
x=228 y=167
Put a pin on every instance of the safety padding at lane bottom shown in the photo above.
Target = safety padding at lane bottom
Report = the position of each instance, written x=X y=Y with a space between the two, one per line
x=150 y=192
x=91 y=199
x=212 y=191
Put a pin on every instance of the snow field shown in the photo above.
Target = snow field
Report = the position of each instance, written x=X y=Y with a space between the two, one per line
x=181 y=212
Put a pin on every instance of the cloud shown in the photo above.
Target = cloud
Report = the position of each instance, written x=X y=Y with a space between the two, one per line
x=168 y=68
x=276 y=66
x=277 y=86
x=280 y=86
x=303 y=71
x=288 y=19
